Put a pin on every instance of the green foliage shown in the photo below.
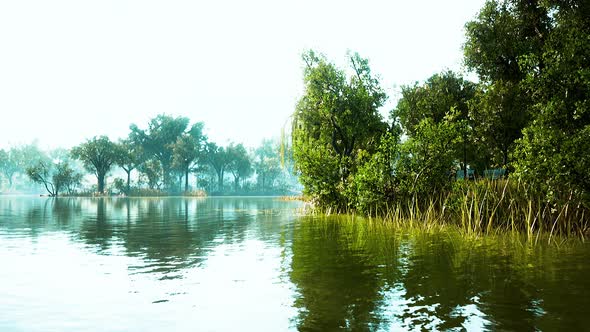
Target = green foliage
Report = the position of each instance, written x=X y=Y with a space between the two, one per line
x=151 y=171
x=187 y=149
x=440 y=95
x=40 y=173
x=129 y=157
x=499 y=112
x=374 y=186
x=319 y=169
x=427 y=158
x=54 y=177
x=553 y=153
x=434 y=99
x=66 y=178
x=98 y=156
x=9 y=165
x=533 y=57
x=157 y=141
x=218 y=158
x=240 y=164
x=17 y=159
x=120 y=186
x=336 y=117
x=267 y=164
x=504 y=32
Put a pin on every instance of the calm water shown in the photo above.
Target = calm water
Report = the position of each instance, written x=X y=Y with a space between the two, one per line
x=257 y=264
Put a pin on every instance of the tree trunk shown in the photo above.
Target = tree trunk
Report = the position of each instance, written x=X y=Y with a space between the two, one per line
x=186 y=179
x=220 y=181
x=128 y=181
x=236 y=182
x=101 y=182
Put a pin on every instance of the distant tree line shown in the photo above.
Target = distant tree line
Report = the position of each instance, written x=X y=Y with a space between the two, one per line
x=158 y=159
x=529 y=115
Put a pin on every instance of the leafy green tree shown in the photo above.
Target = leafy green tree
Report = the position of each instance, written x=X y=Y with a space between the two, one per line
x=337 y=116
x=427 y=158
x=499 y=112
x=267 y=164
x=553 y=153
x=129 y=157
x=504 y=45
x=18 y=158
x=532 y=55
x=374 y=186
x=219 y=159
x=187 y=149
x=158 y=139
x=41 y=173
x=439 y=96
x=9 y=165
x=434 y=99
x=503 y=32
x=54 y=177
x=98 y=155
x=240 y=164
x=152 y=170
x=65 y=178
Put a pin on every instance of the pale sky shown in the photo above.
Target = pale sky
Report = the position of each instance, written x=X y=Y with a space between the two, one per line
x=70 y=70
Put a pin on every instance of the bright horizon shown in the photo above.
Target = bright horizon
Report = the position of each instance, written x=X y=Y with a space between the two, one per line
x=71 y=70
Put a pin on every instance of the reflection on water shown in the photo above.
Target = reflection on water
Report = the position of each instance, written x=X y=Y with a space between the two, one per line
x=227 y=264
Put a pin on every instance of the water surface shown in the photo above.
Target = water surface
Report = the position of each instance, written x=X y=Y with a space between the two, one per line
x=259 y=264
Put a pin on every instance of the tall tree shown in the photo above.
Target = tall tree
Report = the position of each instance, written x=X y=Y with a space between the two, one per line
x=9 y=165
x=267 y=163
x=54 y=177
x=502 y=34
x=98 y=156
x=240 y=164
x=152 y=170
x=129 y=157
x=533 y=55
x=158 y=140
x=505 y=35
x=187 y=149
x=41 y=173
x=18 y=158
x=499 y=113
x=441 y=95
x=337 y=115
x=218 y=159
x=553 y=152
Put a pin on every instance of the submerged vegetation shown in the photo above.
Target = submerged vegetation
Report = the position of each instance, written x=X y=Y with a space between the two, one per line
x=527 y=121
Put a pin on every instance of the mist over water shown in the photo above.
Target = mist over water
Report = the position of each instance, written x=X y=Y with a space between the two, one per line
x=259 y=264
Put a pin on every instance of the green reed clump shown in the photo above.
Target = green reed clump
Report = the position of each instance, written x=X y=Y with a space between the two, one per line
x=491 y=206
x=486 y=207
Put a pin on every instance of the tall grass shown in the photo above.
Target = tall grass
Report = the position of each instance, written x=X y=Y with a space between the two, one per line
x=508 y=204
x=492 y=206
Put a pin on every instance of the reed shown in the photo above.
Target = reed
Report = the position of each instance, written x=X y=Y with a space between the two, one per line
x=491 y=207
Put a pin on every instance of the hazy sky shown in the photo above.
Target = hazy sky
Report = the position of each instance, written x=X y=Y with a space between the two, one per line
x=70 y=70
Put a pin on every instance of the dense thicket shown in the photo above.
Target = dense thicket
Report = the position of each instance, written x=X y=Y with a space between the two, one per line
x=528 y=116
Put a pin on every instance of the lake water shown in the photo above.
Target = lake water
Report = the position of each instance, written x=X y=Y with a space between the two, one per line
x=260 y=264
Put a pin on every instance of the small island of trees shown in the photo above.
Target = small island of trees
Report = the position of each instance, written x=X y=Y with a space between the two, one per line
x=157 y=160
